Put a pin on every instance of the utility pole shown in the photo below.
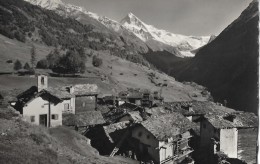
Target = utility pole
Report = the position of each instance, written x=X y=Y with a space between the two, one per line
x=49 y=113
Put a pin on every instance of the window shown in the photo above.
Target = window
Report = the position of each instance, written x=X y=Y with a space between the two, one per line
x=54 y=116
x=42 y=80
x=140 y=134
x=32 y=118
x=66 y=106
x=204 y=125
x=83 y=104
x=148 y=136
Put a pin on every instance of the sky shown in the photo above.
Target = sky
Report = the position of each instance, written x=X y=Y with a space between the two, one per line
x=188 y=17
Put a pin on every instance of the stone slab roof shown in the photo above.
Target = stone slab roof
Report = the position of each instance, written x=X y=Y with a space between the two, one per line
x=233 y=120
x=83 y=119
x=167 y=125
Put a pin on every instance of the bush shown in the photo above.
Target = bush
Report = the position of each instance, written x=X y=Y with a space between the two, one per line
x=9 y=61
x=17 y=65
x=23 y=72
x=26 y=66
x=42 y=64
x=97 y=62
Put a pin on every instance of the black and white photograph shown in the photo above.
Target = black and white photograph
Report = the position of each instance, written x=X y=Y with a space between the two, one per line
x=129 y=81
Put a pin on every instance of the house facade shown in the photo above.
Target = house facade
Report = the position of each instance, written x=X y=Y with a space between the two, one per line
x=42 y=105
x=215 y=139
x=139 y=97
x=219 y=133
x=85 y=97
x=163 y=139
x=40 y=111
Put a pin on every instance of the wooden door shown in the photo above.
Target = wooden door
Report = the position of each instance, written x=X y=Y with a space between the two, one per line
x=43 y=120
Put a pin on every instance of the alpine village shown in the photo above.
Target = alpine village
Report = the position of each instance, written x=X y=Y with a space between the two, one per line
x=76 y=87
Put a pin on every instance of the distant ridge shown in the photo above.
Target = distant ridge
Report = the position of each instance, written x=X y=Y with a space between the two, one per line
x=131 y=27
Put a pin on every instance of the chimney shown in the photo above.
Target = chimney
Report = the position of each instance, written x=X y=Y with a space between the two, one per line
x=42 y=81
x=71 y=89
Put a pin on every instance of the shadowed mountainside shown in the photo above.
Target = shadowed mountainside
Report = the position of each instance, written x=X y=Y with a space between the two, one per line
x=228 y=66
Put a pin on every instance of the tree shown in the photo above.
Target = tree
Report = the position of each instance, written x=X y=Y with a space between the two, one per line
x=96 y=61
x=33 y=56
x=42 y=64
x=71 y=62
x=53 y=58
x=17 y=65
x=26 y=66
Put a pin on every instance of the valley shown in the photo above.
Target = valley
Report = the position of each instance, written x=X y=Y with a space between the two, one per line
x=78 y=87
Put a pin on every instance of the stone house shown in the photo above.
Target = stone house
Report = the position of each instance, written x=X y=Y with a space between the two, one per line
x=107 y=99
x=133 y=116
x=83 y=121
x=85 y=96
x=164 y=138
x=193 y=110
x=41 y=105
x=219 y=132
x=131 y=96
x=139 y=97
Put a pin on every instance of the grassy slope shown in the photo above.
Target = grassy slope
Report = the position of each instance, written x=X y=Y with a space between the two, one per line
x=132 y=75
x=21 y=142
x=13 y=49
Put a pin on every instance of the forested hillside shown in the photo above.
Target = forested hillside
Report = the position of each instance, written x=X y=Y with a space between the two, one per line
x=29 y=23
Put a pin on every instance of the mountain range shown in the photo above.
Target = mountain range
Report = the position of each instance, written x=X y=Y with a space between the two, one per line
x=131 y=28
x=226 y=64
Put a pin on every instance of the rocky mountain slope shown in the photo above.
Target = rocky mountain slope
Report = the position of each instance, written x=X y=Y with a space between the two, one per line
x=130 y=28
x=228 y=66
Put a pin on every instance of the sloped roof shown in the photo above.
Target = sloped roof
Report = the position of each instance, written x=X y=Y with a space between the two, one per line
x=240 y=120
x=83 y=119
x=59 y=93
x=167 y=125
x=117 y=127
x=85 y=89
x=135 y=95
x=135 y=115
x=155 y=111
x=215 y=114
x=106 y=97
x=129 y=106
x=197 y=108
x=32 y=93
x=103 y=108
x=187 y=108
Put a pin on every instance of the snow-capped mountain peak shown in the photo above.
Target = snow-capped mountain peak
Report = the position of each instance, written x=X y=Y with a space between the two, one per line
x=48 y=4
x=133 y=20
x=148 y=32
